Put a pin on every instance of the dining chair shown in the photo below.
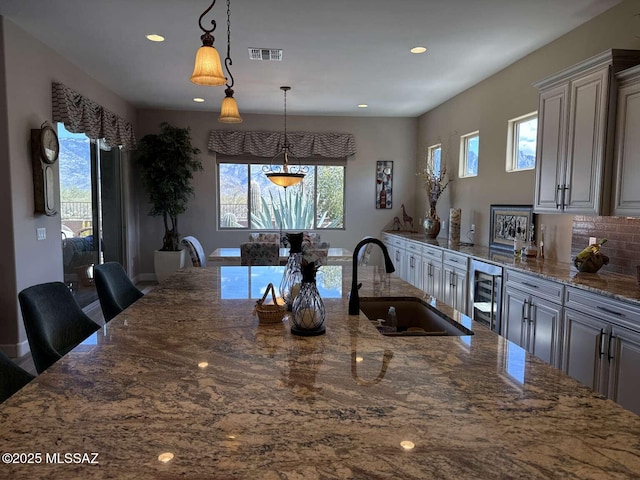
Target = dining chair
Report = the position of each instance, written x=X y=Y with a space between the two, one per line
x=12 y=377
x=54 y=322
x=319 y=256
x=115 y=290
x=259 y=253
x=264 y=237
x=196 y=252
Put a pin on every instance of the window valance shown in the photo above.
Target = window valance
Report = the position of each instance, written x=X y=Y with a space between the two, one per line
x=268 y=144
x=82 y=115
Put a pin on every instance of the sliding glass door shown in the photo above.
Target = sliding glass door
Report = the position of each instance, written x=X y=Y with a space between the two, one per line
x=90 y=210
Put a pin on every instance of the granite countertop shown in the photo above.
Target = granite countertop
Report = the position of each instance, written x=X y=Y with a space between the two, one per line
x=188 y=370
x=614 y=285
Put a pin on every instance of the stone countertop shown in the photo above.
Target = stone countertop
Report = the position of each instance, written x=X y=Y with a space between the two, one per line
x=188 y=370
x=614 y=285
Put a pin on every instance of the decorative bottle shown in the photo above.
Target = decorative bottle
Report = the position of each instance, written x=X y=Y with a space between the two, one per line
x=383 y=198
x=292 y=276
x=308 y=311
x=517 y=243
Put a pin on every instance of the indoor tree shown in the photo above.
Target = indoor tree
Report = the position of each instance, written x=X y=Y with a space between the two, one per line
x=167 y=161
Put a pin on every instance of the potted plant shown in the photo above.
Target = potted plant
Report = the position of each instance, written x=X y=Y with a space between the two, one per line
x=167 y=161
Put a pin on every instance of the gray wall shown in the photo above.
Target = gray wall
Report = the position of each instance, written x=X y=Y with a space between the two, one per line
x=376 y=139
x=489 y=105
x=28 y=68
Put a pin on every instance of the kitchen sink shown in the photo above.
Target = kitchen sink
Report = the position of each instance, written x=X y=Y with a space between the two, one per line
x=415 y=317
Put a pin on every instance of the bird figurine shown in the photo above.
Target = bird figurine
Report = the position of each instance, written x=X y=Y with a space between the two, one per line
x=406 y=219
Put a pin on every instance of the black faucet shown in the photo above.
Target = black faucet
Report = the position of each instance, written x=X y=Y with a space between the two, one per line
x=354 y=299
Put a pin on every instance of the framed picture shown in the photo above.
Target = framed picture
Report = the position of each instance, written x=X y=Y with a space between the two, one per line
x=384 y=184
x=505 y=221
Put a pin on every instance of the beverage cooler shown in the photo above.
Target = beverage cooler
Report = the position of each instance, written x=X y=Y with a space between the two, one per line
x=486 y=294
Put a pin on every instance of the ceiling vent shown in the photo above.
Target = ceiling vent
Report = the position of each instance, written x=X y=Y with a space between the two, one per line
x=273 y=54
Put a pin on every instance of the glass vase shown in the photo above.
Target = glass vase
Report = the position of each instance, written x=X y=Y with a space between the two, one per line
x=292 y=276
x=432 y=223
x=308 y=312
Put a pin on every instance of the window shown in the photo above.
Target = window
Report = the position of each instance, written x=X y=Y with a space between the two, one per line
x=469 y=147
x=521 y=143
x=248 y=200
x=434 y=153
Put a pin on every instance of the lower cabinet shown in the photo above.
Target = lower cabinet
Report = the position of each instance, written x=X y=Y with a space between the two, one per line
x=432 y=271
x=532 y=315
x=603 y=351
x=398 y=254
x=455 y=281
x=413 y=265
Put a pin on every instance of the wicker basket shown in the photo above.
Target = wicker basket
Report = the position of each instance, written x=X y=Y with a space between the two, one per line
x=270 y=313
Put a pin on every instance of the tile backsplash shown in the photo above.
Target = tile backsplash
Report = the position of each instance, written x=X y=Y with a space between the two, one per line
x=623 y=240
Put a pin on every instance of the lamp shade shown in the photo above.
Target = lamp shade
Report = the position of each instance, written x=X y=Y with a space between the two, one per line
x=285 y=179
x=229 y=111
x=208 y=69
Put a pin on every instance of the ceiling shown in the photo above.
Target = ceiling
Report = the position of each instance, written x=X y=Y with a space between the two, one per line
x=337 y=53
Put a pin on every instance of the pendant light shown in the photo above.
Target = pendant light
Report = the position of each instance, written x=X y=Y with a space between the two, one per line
x=285 y=175
x=208 y=69
x=229 y=109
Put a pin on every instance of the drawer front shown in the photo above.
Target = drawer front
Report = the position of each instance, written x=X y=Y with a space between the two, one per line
x=431 y=253
x=540 y=287
x=606 y=308
x=398 y=242
x=455 y=259
x=413 y=248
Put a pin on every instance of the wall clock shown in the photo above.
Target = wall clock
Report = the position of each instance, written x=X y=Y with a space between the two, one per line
x=45 y=149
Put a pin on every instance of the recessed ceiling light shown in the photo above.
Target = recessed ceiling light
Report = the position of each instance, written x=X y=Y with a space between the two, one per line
x=198 y=99
x=418 y=49
x=363 y=105
x=155 y=38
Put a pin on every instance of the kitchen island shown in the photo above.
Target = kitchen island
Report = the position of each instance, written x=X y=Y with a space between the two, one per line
x=188 y=371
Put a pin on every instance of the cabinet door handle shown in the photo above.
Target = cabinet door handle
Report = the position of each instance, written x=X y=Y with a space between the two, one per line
x=601 y=343
x=565 y=187
x=612 y=312
x=609 y=355
x=524 y=308
x=532 y=316
x=530 y=285
x=559 y=188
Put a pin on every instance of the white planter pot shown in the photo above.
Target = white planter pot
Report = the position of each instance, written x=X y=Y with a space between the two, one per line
x=166 y=263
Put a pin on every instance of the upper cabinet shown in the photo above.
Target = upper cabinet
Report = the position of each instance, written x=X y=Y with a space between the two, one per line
x=626 y=200
x=576 y=119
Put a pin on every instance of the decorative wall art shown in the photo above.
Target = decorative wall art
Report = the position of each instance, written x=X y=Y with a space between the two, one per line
x=505 y=222
x=384 y=184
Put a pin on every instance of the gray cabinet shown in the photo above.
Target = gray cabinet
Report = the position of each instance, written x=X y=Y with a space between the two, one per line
x=455 y=288
x=626 y=198
x=413 y=264
x=602 y=345
x=584 y=348
x=532 y=315
x=576 y=134
x=624 y=368
x=432 y=271
x=395 y=246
